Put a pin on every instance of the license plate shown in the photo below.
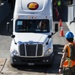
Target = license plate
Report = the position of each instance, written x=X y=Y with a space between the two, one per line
x=30 y=63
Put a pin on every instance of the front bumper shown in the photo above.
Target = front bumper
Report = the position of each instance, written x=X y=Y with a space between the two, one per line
x=17 y=60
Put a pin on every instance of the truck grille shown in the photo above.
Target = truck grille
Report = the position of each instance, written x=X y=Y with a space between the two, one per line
x=30 y=49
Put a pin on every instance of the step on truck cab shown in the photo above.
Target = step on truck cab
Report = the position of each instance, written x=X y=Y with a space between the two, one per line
x=32 y=33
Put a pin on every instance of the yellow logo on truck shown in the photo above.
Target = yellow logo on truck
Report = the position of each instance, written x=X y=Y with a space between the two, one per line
x=32 y=6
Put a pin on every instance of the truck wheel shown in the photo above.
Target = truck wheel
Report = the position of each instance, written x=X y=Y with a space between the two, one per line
x=51 y=63
x=13 y=65
x=12 y=62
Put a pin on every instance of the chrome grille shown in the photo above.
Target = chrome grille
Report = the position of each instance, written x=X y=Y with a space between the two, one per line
x=31 y=49
x=22 y=49
x=39 y=50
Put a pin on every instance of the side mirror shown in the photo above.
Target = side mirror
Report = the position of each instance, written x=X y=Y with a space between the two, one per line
x=9 y=26
x=13 y=36
x=56 y=27
x=49 y=36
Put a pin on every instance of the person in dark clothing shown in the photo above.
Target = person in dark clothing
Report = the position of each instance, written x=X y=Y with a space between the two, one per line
x=55 y=8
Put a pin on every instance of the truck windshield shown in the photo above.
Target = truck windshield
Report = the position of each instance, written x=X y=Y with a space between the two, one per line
x=37 y=26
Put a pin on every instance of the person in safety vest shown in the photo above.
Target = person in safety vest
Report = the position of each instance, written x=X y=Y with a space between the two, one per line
x=67 y=64
x=59 y=3
x=59 y=7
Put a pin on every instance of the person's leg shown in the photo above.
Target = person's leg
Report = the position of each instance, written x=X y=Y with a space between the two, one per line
x=67 y=71
x=73 y=70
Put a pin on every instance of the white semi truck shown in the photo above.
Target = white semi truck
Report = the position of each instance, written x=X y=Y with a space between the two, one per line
x=32 y=33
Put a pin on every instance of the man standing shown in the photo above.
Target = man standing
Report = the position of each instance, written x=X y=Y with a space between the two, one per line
x=67 y=64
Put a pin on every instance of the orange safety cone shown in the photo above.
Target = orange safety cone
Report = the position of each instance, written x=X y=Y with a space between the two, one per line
x=61 y=32
x=60 y=23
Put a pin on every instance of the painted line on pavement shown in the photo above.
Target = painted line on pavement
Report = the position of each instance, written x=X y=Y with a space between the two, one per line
x=2 y=63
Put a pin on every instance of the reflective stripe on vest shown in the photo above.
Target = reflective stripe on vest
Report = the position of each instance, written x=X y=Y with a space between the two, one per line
x=68 y=63
x=59 y=3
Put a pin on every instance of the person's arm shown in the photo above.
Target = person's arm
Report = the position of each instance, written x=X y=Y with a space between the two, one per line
x=62 y=60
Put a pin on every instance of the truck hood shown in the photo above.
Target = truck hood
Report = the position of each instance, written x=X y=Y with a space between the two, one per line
x=30 y=37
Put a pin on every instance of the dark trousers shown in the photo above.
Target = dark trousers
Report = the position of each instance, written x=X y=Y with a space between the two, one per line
x=69 y=71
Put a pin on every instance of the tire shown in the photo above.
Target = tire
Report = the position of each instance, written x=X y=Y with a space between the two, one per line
x=12 y=62
x=51 y=62
x=13 y=65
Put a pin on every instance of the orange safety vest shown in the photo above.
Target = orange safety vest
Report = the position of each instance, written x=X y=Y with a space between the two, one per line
x=68 y=62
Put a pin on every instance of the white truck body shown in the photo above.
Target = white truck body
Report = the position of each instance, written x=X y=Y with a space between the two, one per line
x=32 y=46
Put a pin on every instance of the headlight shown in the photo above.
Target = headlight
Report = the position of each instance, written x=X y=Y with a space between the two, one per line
x=14 y=53
x=48 y=52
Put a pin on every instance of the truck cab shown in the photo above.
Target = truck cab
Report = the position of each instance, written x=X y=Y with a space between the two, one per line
x=32 y=33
